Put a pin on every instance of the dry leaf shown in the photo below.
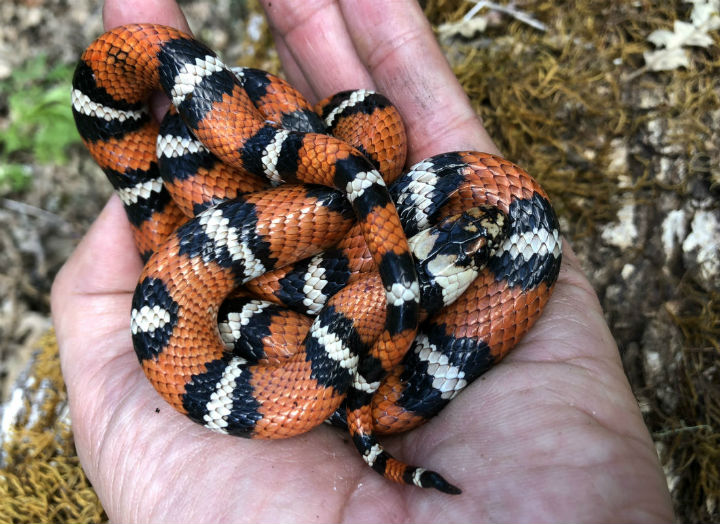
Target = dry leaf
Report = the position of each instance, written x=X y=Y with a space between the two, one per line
x=705 y=17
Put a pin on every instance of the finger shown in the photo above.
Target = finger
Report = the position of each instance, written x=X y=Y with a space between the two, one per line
x=314 y=35
x=106 y=260
x=396 y=43
x=293 y=73
x=91 y=300
x=166 y=12
x=91 y=294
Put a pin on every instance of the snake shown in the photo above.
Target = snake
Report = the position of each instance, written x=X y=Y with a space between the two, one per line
x=295 y=273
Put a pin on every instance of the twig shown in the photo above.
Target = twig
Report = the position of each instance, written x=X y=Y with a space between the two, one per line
x=675 y=431
x=37 y=212
x=519 y=15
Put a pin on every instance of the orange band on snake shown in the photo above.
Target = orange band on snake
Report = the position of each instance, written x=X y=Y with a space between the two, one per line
x=198 y=191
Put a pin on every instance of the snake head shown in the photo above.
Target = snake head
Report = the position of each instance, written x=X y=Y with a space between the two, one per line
x=450 y=255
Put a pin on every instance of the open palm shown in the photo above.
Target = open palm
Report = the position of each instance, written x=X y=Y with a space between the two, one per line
x=551 y=434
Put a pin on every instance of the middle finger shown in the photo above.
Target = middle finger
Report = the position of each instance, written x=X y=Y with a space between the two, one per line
x=317 y=51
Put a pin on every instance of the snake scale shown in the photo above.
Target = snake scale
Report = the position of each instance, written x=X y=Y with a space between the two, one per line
x=294 y=272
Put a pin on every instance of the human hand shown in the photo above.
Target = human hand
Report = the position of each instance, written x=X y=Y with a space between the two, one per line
x=553 y=433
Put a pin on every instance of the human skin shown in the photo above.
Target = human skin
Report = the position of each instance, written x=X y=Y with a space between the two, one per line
x=553 y=433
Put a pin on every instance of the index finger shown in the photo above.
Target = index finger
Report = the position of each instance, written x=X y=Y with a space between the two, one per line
x=393 y=51
x=166 y=12
x=397 y=45
x=315 y=47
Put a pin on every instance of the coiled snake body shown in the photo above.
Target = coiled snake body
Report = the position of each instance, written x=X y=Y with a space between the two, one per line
x=224 y=247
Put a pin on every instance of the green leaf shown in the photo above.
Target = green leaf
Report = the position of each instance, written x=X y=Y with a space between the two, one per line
x=15 y=176
x=40 y=121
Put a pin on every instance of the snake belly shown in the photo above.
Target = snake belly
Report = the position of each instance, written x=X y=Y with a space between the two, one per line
x=200 y=195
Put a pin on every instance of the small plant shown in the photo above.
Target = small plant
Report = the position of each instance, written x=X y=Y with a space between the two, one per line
x=39 y=123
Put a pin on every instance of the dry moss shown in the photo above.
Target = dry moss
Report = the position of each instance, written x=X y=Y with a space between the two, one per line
x=41 y=479
x=563 y=102
x=690 y=439
x=576 y=107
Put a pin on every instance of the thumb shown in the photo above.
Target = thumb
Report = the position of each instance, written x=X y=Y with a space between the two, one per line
x=92 y=293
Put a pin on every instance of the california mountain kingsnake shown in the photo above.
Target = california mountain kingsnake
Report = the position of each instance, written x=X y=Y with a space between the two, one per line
x=281 y=252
